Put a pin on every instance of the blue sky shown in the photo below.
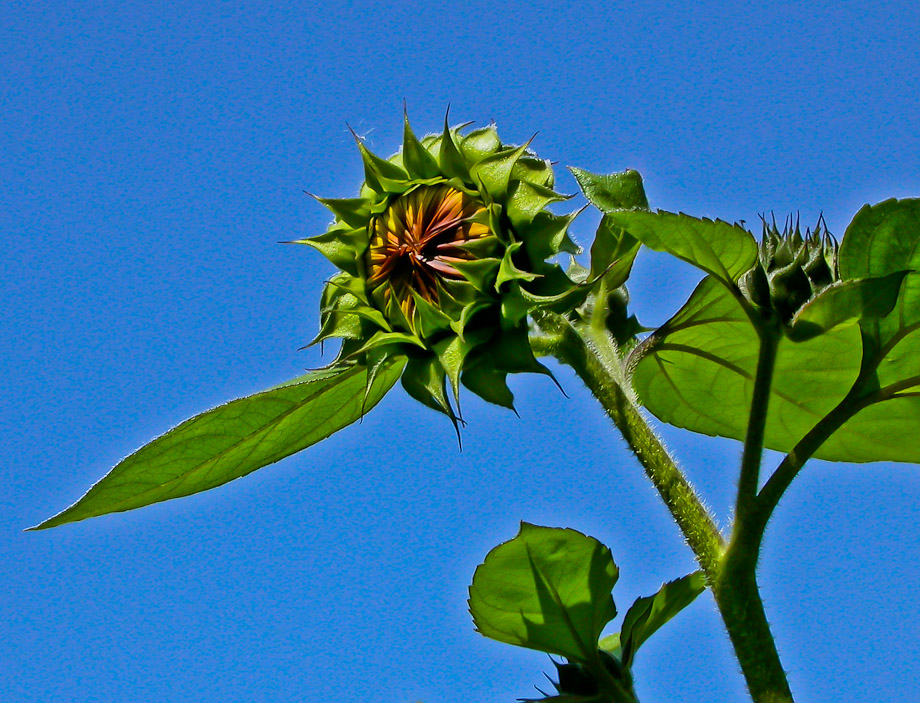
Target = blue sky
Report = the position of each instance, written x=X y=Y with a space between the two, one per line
x=154 y=154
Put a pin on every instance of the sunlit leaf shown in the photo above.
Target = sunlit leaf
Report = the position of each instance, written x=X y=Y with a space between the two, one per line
x=613 y=250
x=882 y=240
x=647 y=615
x=720 y=249
x=547 y=589
x=235 y=439
x=700 y=372
x=614 y=191
x=867 y=298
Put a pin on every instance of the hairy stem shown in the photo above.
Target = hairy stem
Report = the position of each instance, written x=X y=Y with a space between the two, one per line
x=730 y=570
x=594 y=360
x=738 y=599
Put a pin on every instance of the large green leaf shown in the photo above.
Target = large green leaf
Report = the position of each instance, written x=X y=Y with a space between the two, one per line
x=235 y=439
x=547 y=589
x=720 y=249
x=700 y=368
x=882 y=240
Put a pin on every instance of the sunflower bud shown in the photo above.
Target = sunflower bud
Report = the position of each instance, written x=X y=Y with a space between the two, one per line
x=443 y=254
x=792 y=268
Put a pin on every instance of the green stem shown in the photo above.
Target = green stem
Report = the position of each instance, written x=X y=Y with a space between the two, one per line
x=757 y=422
x=595 y=361
x=735 y=588
x=730 y=571
x=738 y=599
x=768 y=498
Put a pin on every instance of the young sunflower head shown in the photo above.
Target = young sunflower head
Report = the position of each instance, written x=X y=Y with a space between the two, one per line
x=416 y=242
x=443 y=254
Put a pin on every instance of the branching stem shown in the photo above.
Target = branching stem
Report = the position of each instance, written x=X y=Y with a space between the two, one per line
x=789 y=468
x=730 y=570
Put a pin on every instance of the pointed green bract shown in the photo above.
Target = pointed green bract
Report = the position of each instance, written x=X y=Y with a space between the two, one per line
x=547 y=589
x=493 y=173
x=481 y=143
x=235 y=439
x=794 y=268
x=418 y=161
x=426 y=381
x=451 y=244
x=488 y=383
x=450 y=160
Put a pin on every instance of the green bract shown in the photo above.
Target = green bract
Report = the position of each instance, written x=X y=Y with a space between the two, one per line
x=443 y=254
x=791 y=269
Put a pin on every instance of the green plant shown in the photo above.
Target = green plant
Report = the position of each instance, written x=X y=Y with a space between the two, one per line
x=449 y=276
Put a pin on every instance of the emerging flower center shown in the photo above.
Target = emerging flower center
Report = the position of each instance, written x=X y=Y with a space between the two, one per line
x=417 y=241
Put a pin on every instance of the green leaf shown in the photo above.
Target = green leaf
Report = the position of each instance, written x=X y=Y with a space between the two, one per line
x=884 y=240
x=547 y=589
x=647 y=615
x=722 y=250
x=881 y=239
x=700 y=371
x=862 y=334
x=611 y=192
x=867 y=298
x=697 y=373
x=233 y=440
x=613 y=252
